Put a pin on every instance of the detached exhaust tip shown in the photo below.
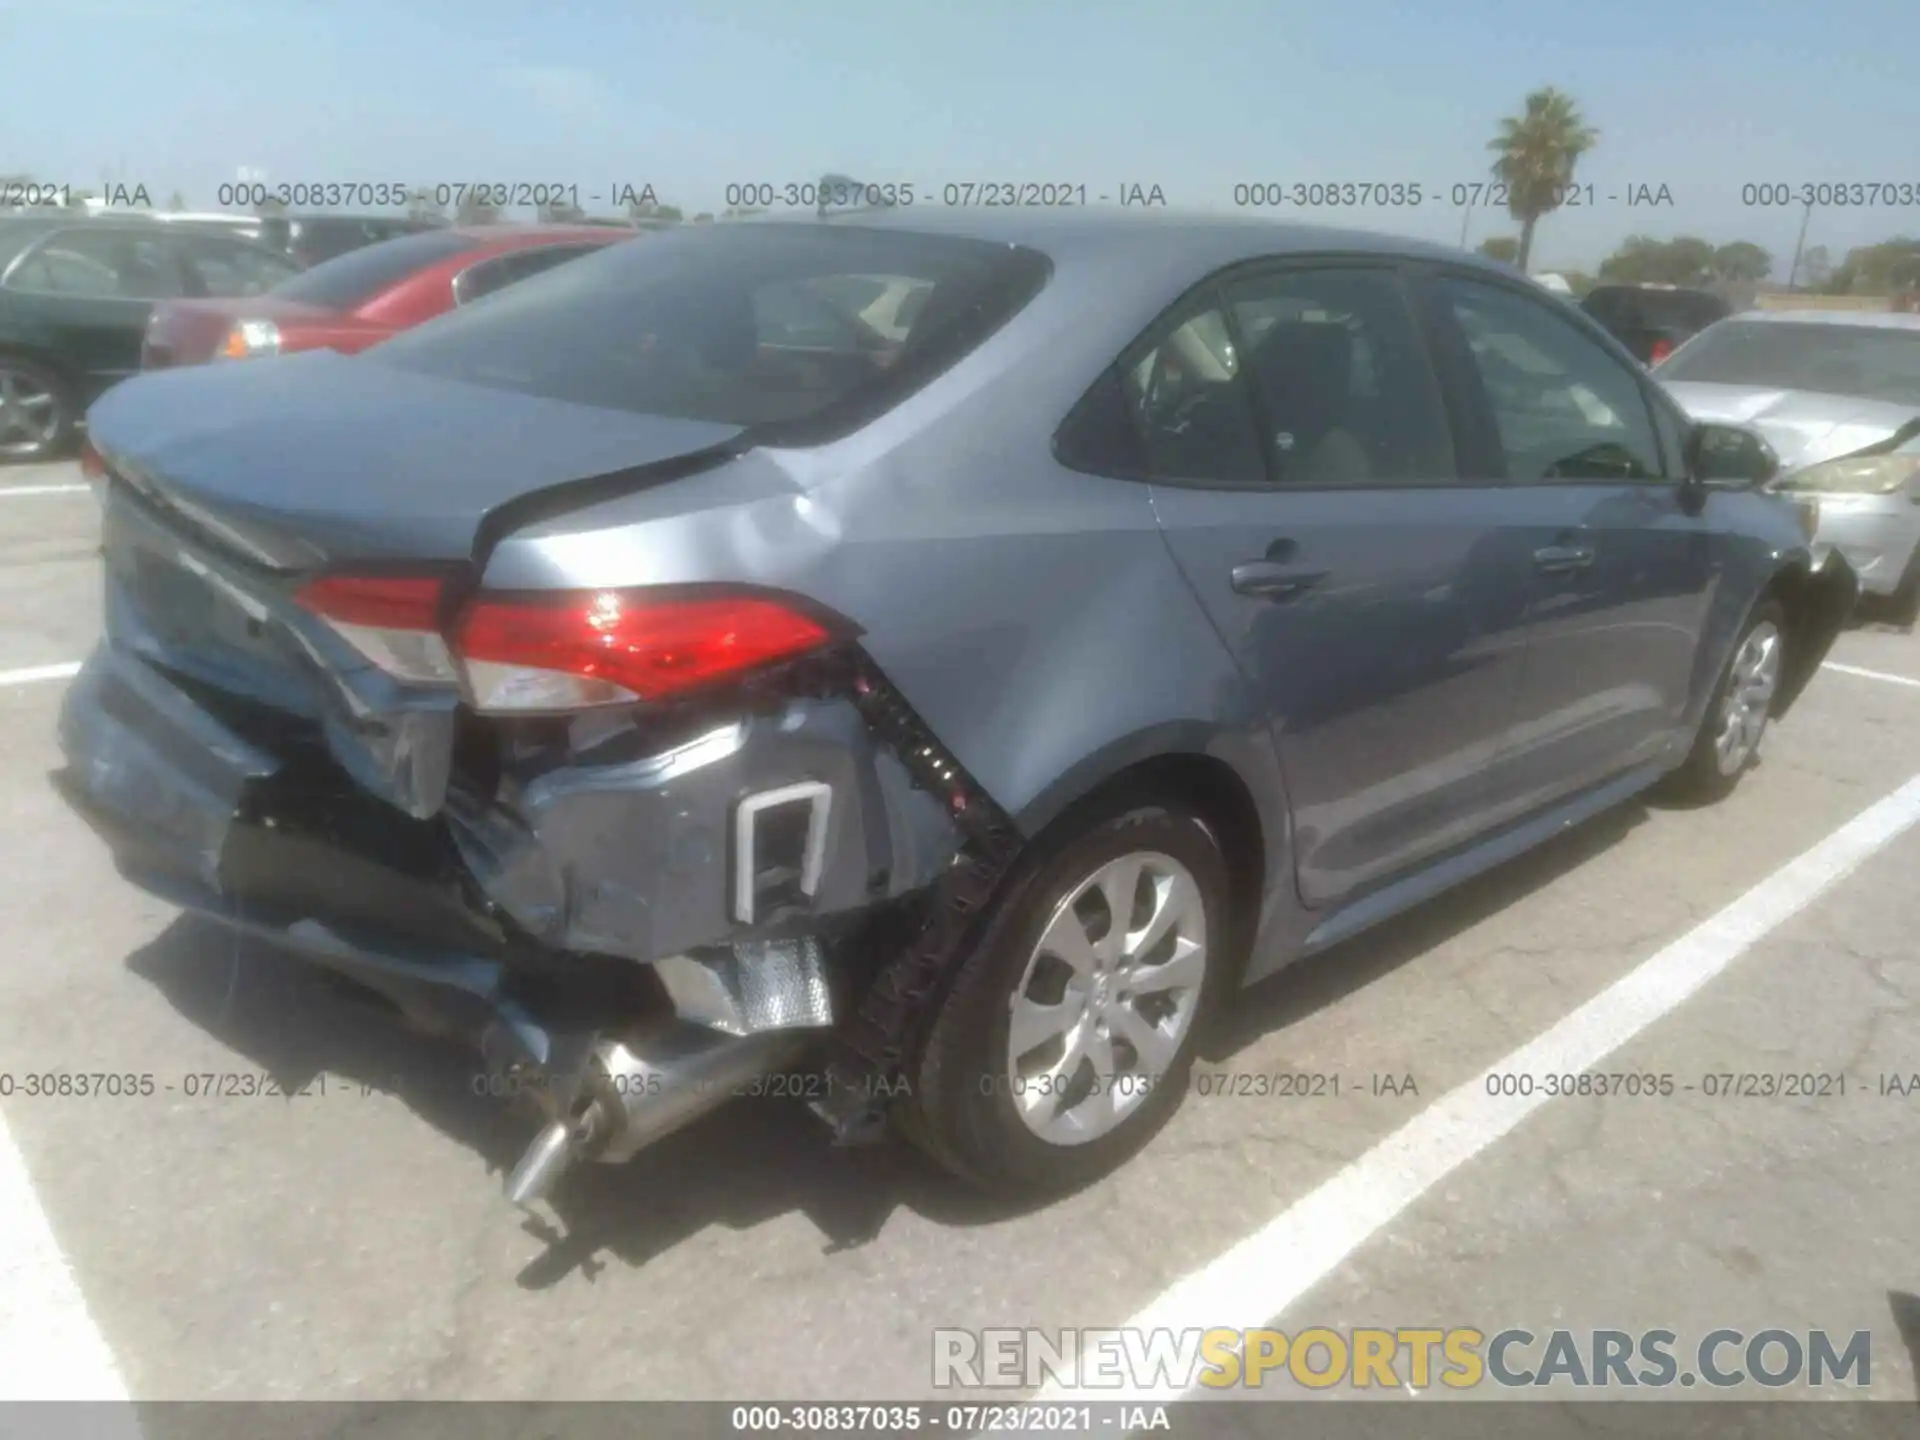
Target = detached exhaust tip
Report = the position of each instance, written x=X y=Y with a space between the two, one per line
x=545 y=1161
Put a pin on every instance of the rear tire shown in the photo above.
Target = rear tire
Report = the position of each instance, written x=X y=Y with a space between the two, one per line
x=1736 y=718
x=1008 y=1093
x=37 y=412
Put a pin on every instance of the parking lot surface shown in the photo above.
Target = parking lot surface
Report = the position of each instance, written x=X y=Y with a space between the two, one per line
x=353 y=1244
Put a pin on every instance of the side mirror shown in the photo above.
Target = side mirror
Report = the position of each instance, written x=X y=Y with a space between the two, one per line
x=1729 y=457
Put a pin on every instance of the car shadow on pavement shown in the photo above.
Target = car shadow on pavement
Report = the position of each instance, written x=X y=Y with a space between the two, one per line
x=1301 y=989
x=1880 y=617
x=752 y=1161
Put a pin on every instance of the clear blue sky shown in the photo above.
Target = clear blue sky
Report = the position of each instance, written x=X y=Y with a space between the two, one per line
x=1192 y=95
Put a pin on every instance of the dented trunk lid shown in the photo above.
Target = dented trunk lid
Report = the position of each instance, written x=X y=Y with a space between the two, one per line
x=320 y=459
x=231 y=486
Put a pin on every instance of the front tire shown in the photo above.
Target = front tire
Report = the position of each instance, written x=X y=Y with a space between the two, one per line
x=1067 y=1038
x=1736 y=719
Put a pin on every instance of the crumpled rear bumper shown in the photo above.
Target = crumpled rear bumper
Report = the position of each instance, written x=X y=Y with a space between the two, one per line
x=186 y=806
x=540 y=909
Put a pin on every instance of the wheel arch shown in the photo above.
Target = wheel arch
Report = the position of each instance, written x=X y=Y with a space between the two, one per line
x=1232 y=782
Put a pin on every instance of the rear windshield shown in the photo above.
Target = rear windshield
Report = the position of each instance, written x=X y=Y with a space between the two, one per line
x=757 y=324
x=352 y=279
x=1864 y=361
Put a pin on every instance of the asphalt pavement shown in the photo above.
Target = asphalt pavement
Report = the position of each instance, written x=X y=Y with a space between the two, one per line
x=352 y=1243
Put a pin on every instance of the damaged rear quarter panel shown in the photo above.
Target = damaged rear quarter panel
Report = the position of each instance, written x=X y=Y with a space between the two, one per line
x=606 y=841
x=195 y=611
x=1030 y=614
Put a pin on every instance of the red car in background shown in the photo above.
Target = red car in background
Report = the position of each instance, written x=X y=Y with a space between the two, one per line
x=362 y=297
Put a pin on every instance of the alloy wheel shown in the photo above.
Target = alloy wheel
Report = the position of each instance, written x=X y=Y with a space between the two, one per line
x=1107 y=997
x=29 y=414
x=1750 y=686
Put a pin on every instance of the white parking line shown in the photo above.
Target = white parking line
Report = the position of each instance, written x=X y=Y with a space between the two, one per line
x=10 y=490
x=1259 y=1278
x=50 y=1349
x=1871 y=674
x=66 y=670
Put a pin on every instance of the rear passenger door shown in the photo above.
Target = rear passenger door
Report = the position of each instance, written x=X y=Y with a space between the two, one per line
x=1305 y=476
x=221 y=267
x=1621 y=573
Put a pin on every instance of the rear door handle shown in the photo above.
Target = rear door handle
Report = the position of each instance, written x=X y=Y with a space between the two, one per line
x=1560 y=559
x=1272 y=580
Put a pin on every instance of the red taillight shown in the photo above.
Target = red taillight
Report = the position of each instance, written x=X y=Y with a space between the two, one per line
x=92 y=467
x=607 y=646
x=1661 y=349
x=560 y=652
x=393 y=620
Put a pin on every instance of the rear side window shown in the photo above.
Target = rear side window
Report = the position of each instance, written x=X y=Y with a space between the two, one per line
x=504 y=270
x=353 y=279
x=1173 y=408
x=736 y=325
x=103 y=260
x=224 y=267
x=1344 y=384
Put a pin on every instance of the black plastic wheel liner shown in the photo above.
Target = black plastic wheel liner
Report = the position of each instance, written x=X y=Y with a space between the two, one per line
x=874 y=1048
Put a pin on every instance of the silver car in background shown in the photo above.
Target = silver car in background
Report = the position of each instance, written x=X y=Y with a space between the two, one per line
x=1837 y=394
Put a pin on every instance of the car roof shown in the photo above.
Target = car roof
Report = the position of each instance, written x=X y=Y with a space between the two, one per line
x=507 y=235
x=1862 y=319
x=341 y=217
x=19 y=231
x=1209 y=239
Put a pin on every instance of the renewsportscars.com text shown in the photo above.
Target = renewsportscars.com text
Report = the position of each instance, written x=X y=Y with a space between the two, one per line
x=1459 y=1358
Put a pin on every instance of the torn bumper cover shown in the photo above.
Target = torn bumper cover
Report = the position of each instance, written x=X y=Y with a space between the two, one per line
x=627 y=928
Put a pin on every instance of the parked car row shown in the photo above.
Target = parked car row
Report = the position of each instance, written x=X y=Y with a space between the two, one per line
x=943 y=653
x=87 y=302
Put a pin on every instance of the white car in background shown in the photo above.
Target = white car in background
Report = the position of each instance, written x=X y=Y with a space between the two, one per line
x=1837 y=395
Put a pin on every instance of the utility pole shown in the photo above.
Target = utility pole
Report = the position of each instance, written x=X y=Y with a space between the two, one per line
x=1793 y=275
x=1464 y=219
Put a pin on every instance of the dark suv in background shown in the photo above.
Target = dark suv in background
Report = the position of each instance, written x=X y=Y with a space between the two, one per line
x=1654 y=320
x=310 y=239
x=75 y=296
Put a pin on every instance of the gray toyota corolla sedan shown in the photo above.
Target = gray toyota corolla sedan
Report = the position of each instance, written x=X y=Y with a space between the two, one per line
x=685 y=685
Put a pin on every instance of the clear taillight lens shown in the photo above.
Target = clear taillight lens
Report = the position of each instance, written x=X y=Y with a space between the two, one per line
x=394 y=621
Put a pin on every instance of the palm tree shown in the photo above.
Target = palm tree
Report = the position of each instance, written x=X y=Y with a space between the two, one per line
x=1537 y=152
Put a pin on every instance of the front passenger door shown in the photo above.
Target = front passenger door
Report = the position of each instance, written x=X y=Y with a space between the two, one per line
x=1621 y=573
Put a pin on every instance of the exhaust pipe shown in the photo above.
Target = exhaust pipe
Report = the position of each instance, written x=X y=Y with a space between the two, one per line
x=643 y=1087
